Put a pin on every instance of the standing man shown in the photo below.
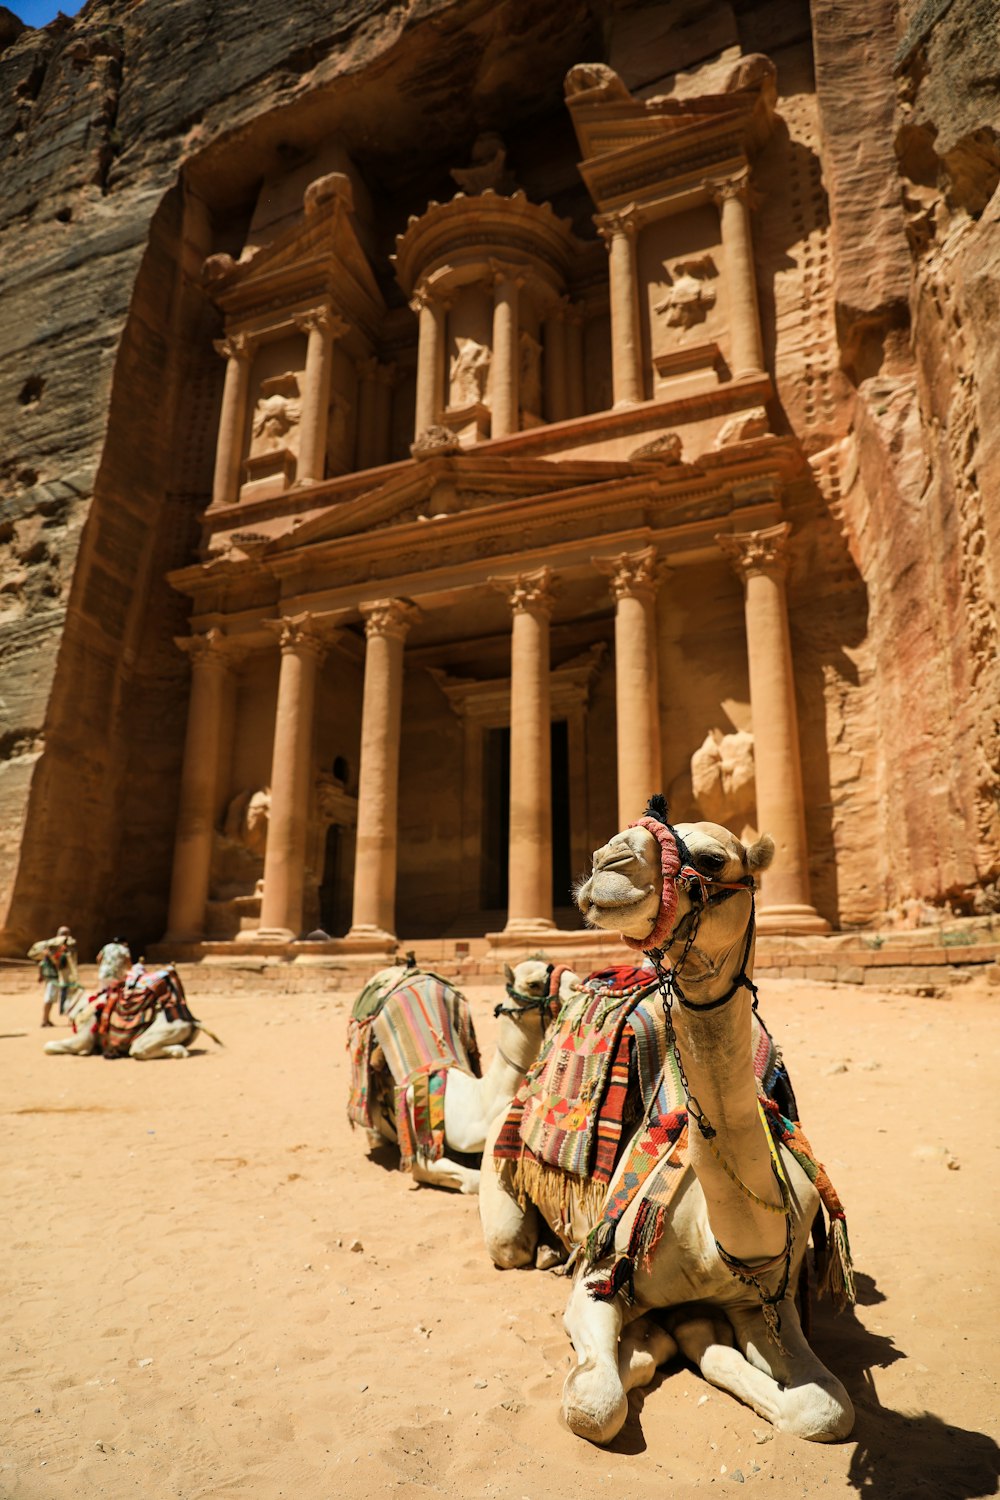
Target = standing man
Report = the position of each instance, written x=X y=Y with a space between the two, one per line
x=56 y=959
x=114 y=962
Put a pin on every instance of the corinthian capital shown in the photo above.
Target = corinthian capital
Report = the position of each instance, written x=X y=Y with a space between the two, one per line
x=389 y=617
x=620 y=221
x=724 y=188
x=323 y=320
x=234 y=346
x=528 y=593
x=631 y=575
x=298 y=634
x=209 y=648
x=763 y=551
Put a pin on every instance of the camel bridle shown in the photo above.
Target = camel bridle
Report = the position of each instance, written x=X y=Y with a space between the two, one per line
x=704 y=893
x=547 y=1005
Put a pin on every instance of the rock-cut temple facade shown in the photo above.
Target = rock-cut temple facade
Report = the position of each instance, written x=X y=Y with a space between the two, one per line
x=487 y=440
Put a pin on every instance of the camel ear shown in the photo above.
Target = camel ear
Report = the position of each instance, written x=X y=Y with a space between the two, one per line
x=508 y=973
x=760 y=854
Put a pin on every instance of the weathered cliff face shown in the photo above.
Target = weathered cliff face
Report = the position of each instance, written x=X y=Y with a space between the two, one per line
x=910 y=116
x=135 y=139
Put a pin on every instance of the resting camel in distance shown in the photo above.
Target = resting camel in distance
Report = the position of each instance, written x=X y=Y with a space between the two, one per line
x=145 y=1015
x=728 y=1260
x=415 y=1064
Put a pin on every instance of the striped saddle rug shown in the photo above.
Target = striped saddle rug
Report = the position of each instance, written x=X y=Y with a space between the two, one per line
x=130 y=1006
x=407 y=1028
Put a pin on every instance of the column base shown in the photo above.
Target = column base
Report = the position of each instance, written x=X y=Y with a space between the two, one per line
x=791 y=919
x=265 y=935
x=366 y=938
x=523 y=930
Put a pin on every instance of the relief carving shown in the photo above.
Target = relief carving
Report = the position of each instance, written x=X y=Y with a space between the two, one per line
x=722 y=779
x=469 y=373
x=690 y=294
x=276 y=415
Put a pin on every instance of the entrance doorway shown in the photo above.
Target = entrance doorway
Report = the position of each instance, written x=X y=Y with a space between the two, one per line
x=333 y=906
x=496 y=818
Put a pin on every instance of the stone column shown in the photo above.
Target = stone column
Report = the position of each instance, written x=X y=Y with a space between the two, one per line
x=196 y=810
x=367 y=433
x=237 y=350
x=619 y=232
x=321 y=327
x=302 y=649
x=637 y=712
x=506 y=364
x=374 y=918
x=556 y=385
x=761 y=562
x=529 y=903
x=746 y=348
x=430 y=360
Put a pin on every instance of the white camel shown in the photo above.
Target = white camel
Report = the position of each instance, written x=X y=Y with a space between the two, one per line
x=728 y=1260
x=149 y=1018
x=535 y=992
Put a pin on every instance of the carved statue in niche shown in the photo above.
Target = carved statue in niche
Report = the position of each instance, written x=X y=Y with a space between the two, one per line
x=531 y=375
x=722 y=779
x=238 y=848
x=487 y=170
x=690 y=293
x=469 y=373
x=276 y=415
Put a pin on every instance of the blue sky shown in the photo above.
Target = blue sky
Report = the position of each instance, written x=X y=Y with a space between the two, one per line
x=41 y=12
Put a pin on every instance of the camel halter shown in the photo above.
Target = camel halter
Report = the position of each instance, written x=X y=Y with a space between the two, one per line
x=547 y=1005
x=680 y=872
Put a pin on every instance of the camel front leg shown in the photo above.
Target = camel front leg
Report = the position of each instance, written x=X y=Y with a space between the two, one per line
x=812 y=1403
x=610 y=1362
x=510 y=1231
x=445 y=1173
x=594 y=1399
x=79 y=1043
x=793 y=1390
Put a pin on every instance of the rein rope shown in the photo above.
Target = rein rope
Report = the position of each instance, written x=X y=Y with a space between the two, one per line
x=670 y=989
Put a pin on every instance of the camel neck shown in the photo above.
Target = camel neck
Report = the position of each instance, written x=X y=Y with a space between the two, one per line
x=517 y=1045
x=716 y=1048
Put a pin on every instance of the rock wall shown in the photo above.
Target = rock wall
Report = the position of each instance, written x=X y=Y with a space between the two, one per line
x=134 y=138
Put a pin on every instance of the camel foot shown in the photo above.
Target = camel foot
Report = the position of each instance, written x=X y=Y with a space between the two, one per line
x=547 y=1258
x=594 y=1404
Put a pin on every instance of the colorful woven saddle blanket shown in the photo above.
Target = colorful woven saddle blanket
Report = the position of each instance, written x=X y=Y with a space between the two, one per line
x=367 y=1085
x=606 y=1069
x=595 y=1074
x=129 y=1007
x=415 y=1030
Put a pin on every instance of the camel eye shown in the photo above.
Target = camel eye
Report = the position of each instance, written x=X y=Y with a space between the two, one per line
x=710 y=863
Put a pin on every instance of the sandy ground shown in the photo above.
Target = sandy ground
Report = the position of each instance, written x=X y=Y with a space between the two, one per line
x=214 y=1291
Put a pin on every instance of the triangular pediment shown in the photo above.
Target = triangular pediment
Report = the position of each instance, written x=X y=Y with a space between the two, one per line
x=452 y=485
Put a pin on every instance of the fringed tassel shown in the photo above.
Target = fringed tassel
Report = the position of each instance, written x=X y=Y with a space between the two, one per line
x=562 y=1199
x=838 y=1274
x=621 y=1278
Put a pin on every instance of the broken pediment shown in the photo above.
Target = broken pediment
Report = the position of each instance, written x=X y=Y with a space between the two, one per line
x=319 y=254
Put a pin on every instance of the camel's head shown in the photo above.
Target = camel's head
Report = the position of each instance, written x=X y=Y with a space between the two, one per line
x=648 y=877
x=537 y=985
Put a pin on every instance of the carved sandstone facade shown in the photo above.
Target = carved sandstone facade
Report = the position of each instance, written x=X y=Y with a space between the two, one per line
x=441 y=527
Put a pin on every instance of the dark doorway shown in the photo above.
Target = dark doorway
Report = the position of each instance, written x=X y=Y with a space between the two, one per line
x=496 y=818
x=333 y=914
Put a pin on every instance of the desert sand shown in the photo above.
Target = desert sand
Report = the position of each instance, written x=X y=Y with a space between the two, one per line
x=214 y=1291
